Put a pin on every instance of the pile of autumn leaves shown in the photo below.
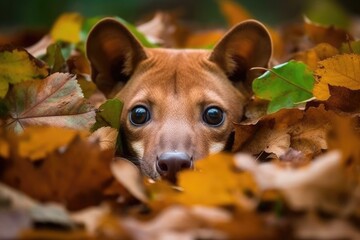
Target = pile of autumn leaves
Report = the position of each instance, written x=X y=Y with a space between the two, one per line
x=294 y=171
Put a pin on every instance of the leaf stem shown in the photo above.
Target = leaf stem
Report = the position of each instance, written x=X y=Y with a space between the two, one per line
x=281 y=77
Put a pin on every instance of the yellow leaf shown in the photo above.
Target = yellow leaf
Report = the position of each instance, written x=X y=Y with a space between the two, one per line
x=341 y=70
x=67 y=28
x=17 y=65
x=36 y=142
x=214 y=182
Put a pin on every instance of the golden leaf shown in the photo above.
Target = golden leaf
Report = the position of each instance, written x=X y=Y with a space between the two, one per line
x=36 y=142
x=215 y=182
x=341 y=70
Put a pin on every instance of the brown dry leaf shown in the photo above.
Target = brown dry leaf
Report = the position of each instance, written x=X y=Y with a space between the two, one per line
x=129 y=176
x=106 y=136
x=38 y=141
x=74 y=176
x=343 y=99
x=164 y=30
x=317 y=185
x=341 y=70
x=309 y=134
x=321 y=34
x=202 y=186
x=318 y=53
x=269 y=134
x=276 y=133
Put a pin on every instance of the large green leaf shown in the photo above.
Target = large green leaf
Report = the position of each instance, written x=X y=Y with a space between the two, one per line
x=17 y=65
x=285 y=86
x=55 y=101
x=109 y=114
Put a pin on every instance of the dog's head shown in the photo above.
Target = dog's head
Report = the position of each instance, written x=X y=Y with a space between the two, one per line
x=179 y=105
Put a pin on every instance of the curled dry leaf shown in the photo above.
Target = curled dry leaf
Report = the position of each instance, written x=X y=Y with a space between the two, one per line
x=317 y=185
x=55 y=101
x=303 y=131
x=130 y=177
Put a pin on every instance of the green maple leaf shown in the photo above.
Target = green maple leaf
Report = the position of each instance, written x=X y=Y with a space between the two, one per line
x=55 y=101
x=285 y=86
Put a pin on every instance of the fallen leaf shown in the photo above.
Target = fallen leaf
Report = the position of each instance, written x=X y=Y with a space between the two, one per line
x=55 y=101
x=318 y=53
x=67 y=28
x=36 y=142
x=75 y=176
x=286 y=85
x=341 y=70
x=17 y=65
x=129 y=176
x=323 y=34
x=202 y=186
x=317 y=185
x=309 y=134
x=179 y=222
x=276 y=133
x=343 y=99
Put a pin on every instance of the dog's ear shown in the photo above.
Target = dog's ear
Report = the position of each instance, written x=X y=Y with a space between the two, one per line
x=246 y=45
x=113 y=53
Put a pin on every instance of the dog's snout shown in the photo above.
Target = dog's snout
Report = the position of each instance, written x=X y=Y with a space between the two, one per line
x=169 y=163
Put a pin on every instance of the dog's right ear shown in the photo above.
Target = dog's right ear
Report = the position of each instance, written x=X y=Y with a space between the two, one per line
x=113 y=53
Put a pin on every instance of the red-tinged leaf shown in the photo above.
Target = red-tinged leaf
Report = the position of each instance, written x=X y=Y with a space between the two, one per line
x=55 y=101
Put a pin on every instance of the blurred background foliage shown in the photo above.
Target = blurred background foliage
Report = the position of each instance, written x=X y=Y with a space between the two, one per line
x=40 y=14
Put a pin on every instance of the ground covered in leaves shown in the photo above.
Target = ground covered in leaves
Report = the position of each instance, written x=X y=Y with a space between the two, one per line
x=293 y=173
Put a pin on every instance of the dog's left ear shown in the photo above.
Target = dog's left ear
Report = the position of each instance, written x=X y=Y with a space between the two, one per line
x=246 y=45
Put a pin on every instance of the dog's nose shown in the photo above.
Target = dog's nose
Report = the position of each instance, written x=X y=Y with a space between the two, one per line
x=169 y=163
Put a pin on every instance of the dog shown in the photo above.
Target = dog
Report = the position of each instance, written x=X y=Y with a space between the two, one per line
x=179 y=104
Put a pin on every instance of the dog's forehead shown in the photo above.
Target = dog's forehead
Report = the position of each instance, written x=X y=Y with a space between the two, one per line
x=178 y=68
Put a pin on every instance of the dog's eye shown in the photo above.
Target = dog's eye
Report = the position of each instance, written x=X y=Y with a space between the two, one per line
x=139 y=115
x=213 y=116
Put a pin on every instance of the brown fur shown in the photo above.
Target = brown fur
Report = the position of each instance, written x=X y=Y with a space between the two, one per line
x=176 y=86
